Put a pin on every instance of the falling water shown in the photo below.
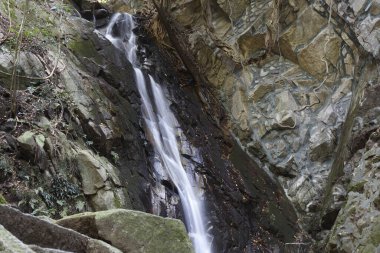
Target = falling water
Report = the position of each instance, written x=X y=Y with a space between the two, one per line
x=162 y=126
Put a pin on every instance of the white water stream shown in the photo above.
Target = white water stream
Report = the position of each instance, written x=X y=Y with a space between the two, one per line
x=163 y=127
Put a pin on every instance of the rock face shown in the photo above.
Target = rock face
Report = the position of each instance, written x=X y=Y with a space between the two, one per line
x=294 y=82
x=238 y=193
x=295 y=78
x=286 y=73
x=360 y=216
x=132 y=231
x=79 y=144
x=75 y=141
x=356 y=193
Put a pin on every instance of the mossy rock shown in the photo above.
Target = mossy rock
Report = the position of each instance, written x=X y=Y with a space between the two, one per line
x=132 y=231
x=85 y=48
x=375 y=232
x=358 y=186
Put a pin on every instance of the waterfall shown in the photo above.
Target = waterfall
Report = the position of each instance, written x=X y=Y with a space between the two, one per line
x=162 y=127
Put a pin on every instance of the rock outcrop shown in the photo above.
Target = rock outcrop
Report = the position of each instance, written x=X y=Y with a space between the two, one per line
x=123 y=230
x=74 y=141
x=76 y=135
x=293 y=77
x=132 y=231
x=359 y=216
x=31 y=230
x=286 y=74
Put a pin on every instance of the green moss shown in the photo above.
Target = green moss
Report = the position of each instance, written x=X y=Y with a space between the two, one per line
x=375 y=232
x=84 y=48
x=357 y=187
x=117 y=201
x=2 y=200
x=367 y=249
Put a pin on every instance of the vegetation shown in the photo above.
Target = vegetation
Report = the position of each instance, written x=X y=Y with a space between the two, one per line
x=34 y=27
x=2 y=200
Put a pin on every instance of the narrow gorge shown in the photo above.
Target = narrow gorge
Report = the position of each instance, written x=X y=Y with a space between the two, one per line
x=190 y=126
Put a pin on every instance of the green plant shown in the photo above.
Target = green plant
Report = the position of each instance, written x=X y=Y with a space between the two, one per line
x=62 y=189
x=2 y=200
x=115 y=156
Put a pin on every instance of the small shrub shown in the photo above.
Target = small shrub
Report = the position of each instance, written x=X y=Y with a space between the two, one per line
x=62 y=189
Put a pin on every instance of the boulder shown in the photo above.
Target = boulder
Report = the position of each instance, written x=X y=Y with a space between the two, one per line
x=132 y=231
x=10 y=244
x=100 y=181
x=32 y=147
x=32 y=230
x=93 y=173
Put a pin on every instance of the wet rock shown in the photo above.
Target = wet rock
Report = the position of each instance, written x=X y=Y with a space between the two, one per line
x=101 y=13
x=127 y=230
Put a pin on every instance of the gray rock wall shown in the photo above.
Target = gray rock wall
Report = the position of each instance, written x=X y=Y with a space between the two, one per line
x=286 y=74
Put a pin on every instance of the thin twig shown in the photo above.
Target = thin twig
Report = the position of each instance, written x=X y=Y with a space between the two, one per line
x=17 y=57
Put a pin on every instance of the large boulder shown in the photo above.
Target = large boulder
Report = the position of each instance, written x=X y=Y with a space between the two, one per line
x=10 y=244
x=132 y=231
x=42 y=233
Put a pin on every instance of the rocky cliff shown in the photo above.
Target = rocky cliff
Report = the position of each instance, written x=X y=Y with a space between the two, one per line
x=299 y=81
x=278 y=100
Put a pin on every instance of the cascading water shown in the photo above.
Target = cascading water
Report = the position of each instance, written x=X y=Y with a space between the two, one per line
x=162 y=127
